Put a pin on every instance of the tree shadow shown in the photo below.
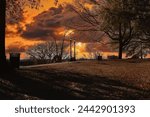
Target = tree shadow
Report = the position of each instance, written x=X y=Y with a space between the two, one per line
x=55 y=84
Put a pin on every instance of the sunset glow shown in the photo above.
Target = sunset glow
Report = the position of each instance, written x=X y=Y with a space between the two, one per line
x=74 y=50
x=13 y=37
x=32 y=30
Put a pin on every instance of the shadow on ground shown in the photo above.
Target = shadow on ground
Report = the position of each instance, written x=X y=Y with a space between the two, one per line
x=41 y=84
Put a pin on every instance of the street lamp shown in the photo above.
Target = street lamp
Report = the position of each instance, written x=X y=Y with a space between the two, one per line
x=70 y=49
x=73 y=58
x=74 y=49
x=68 y=33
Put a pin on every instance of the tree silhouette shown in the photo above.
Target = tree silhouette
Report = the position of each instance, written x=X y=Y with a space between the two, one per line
x=121 y=20
x=48 y=51
x=118 y=23
x=2 y=32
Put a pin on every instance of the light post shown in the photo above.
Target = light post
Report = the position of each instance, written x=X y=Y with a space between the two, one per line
x=70 y=49
x=68 y=33
x=74 y=50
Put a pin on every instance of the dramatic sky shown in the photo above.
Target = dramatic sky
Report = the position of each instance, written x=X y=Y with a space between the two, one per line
x=49 y=21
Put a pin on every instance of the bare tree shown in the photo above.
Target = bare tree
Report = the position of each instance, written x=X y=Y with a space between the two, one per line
x=114 y=18
x=42 y=51
x=119 y=23
x=139 y=46
x=137 y=49
x=125 y=22
x=50 y=51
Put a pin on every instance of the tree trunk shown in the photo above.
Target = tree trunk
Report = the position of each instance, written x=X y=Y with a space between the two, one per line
x=120 y=42
x=74 y=50
x=2 y=32
x=70 y=49
x=120 y=49
x=141 y=51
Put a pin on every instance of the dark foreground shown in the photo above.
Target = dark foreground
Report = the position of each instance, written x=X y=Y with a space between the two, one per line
x=79 y=80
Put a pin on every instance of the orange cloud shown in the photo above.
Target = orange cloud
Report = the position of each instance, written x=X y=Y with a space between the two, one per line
x=39 y=24
x=13 y=31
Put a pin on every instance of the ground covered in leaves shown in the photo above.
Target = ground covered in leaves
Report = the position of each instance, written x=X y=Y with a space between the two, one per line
x=117 y=79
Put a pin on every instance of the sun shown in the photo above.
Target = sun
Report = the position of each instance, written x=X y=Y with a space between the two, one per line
x=79 y=44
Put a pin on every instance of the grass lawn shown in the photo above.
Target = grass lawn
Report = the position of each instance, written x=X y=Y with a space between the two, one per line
x=117 y=79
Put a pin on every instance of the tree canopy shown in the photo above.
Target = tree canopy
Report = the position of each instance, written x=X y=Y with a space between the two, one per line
x=125 y=22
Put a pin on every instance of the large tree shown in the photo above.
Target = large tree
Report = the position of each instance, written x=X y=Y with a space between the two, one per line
x=140 y=45
x=143 y=10
x=113 y=17
x=118 y=23
x=11 y=9
x=2 y=32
